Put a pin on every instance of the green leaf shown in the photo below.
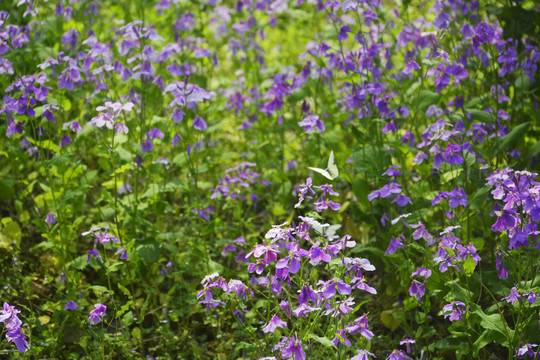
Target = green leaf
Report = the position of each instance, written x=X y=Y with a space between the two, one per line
x=99 y=288
x=480 y=115
x=322 y=340
x=149 y=252
x=510 y=140
x=452 y=174
x=79 y=263
x=486 y=338
x=469 y=266
x=425 y=99
x=127 y=319
x=480 y=197
x=6 y=190
x=522 y=84
x=495 y=323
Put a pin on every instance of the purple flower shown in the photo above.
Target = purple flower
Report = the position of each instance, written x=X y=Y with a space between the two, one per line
x=97 y=314
x=410 y=67
x=121 y=128
x=155 y=133
x=122 y=252
x=176 y=139
x=147 y=145
x=398 y=355
x=71 y=305
x=66 y=140
x=341 y=338
x=284 y=306
x=312 y=123
x=292 y=347
x=526 y=349
x=199 y=124
x=402 y=200
x=425 y=273
x=503 y=273
x=50 y=219
x=505 y=221
x=273 y=324
x=394 y=245
x=363 y=355
x=13 y=326
x=93 y=253
x=454 y=310
x=514 y=296
x=408 y=343
x=344 y=33
x=417 y=289
x=452 y=156
x=360 y=324
x=330 y=289
x=177 y=115
x=457 y=197
x=393 y=171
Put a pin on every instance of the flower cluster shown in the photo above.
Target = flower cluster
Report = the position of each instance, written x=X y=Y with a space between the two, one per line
x=306 y=191
x=520 y=212
x=104 y=238
x=13 y=326
x=236 y=178
x=276 y=267
x=97 y=314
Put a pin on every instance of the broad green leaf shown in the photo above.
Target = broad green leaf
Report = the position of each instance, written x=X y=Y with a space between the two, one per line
x=469 y=266
x=6 y=190
x=486 y=338
x=79 y=263
x=510 y=140
x=480 y=115
x=322 y=340
x=495 y=323
x=149 y=252
x=480 y=197
x=425 y=99
x=102 y=289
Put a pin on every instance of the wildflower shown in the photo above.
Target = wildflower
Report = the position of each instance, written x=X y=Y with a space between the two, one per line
x=454 y=310
x=155 y=133
x=93 y=253
x=66 y=140
x=199 y=124
x=394 y=245
x=122 y=252
x=514 y=296
x=363 y=355
x=341 y=338
x=417 y=289
x=360 y=324
x=293 y=347
x=408 y=343
x=451 y=154
x=97 y=314
x=312 y=123
x=50 y=219
x=425 y=273
x=147 y=145
x=71 y=305
x=526 y=349
x=398 y=355
x=273 y=324
x=13 y=326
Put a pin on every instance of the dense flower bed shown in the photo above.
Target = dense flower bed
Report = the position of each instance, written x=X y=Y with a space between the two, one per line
x=270 y=179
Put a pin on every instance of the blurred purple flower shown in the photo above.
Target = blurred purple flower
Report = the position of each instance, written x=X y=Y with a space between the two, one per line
x=97 y=314
x=71 y=305
x=50 y=219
